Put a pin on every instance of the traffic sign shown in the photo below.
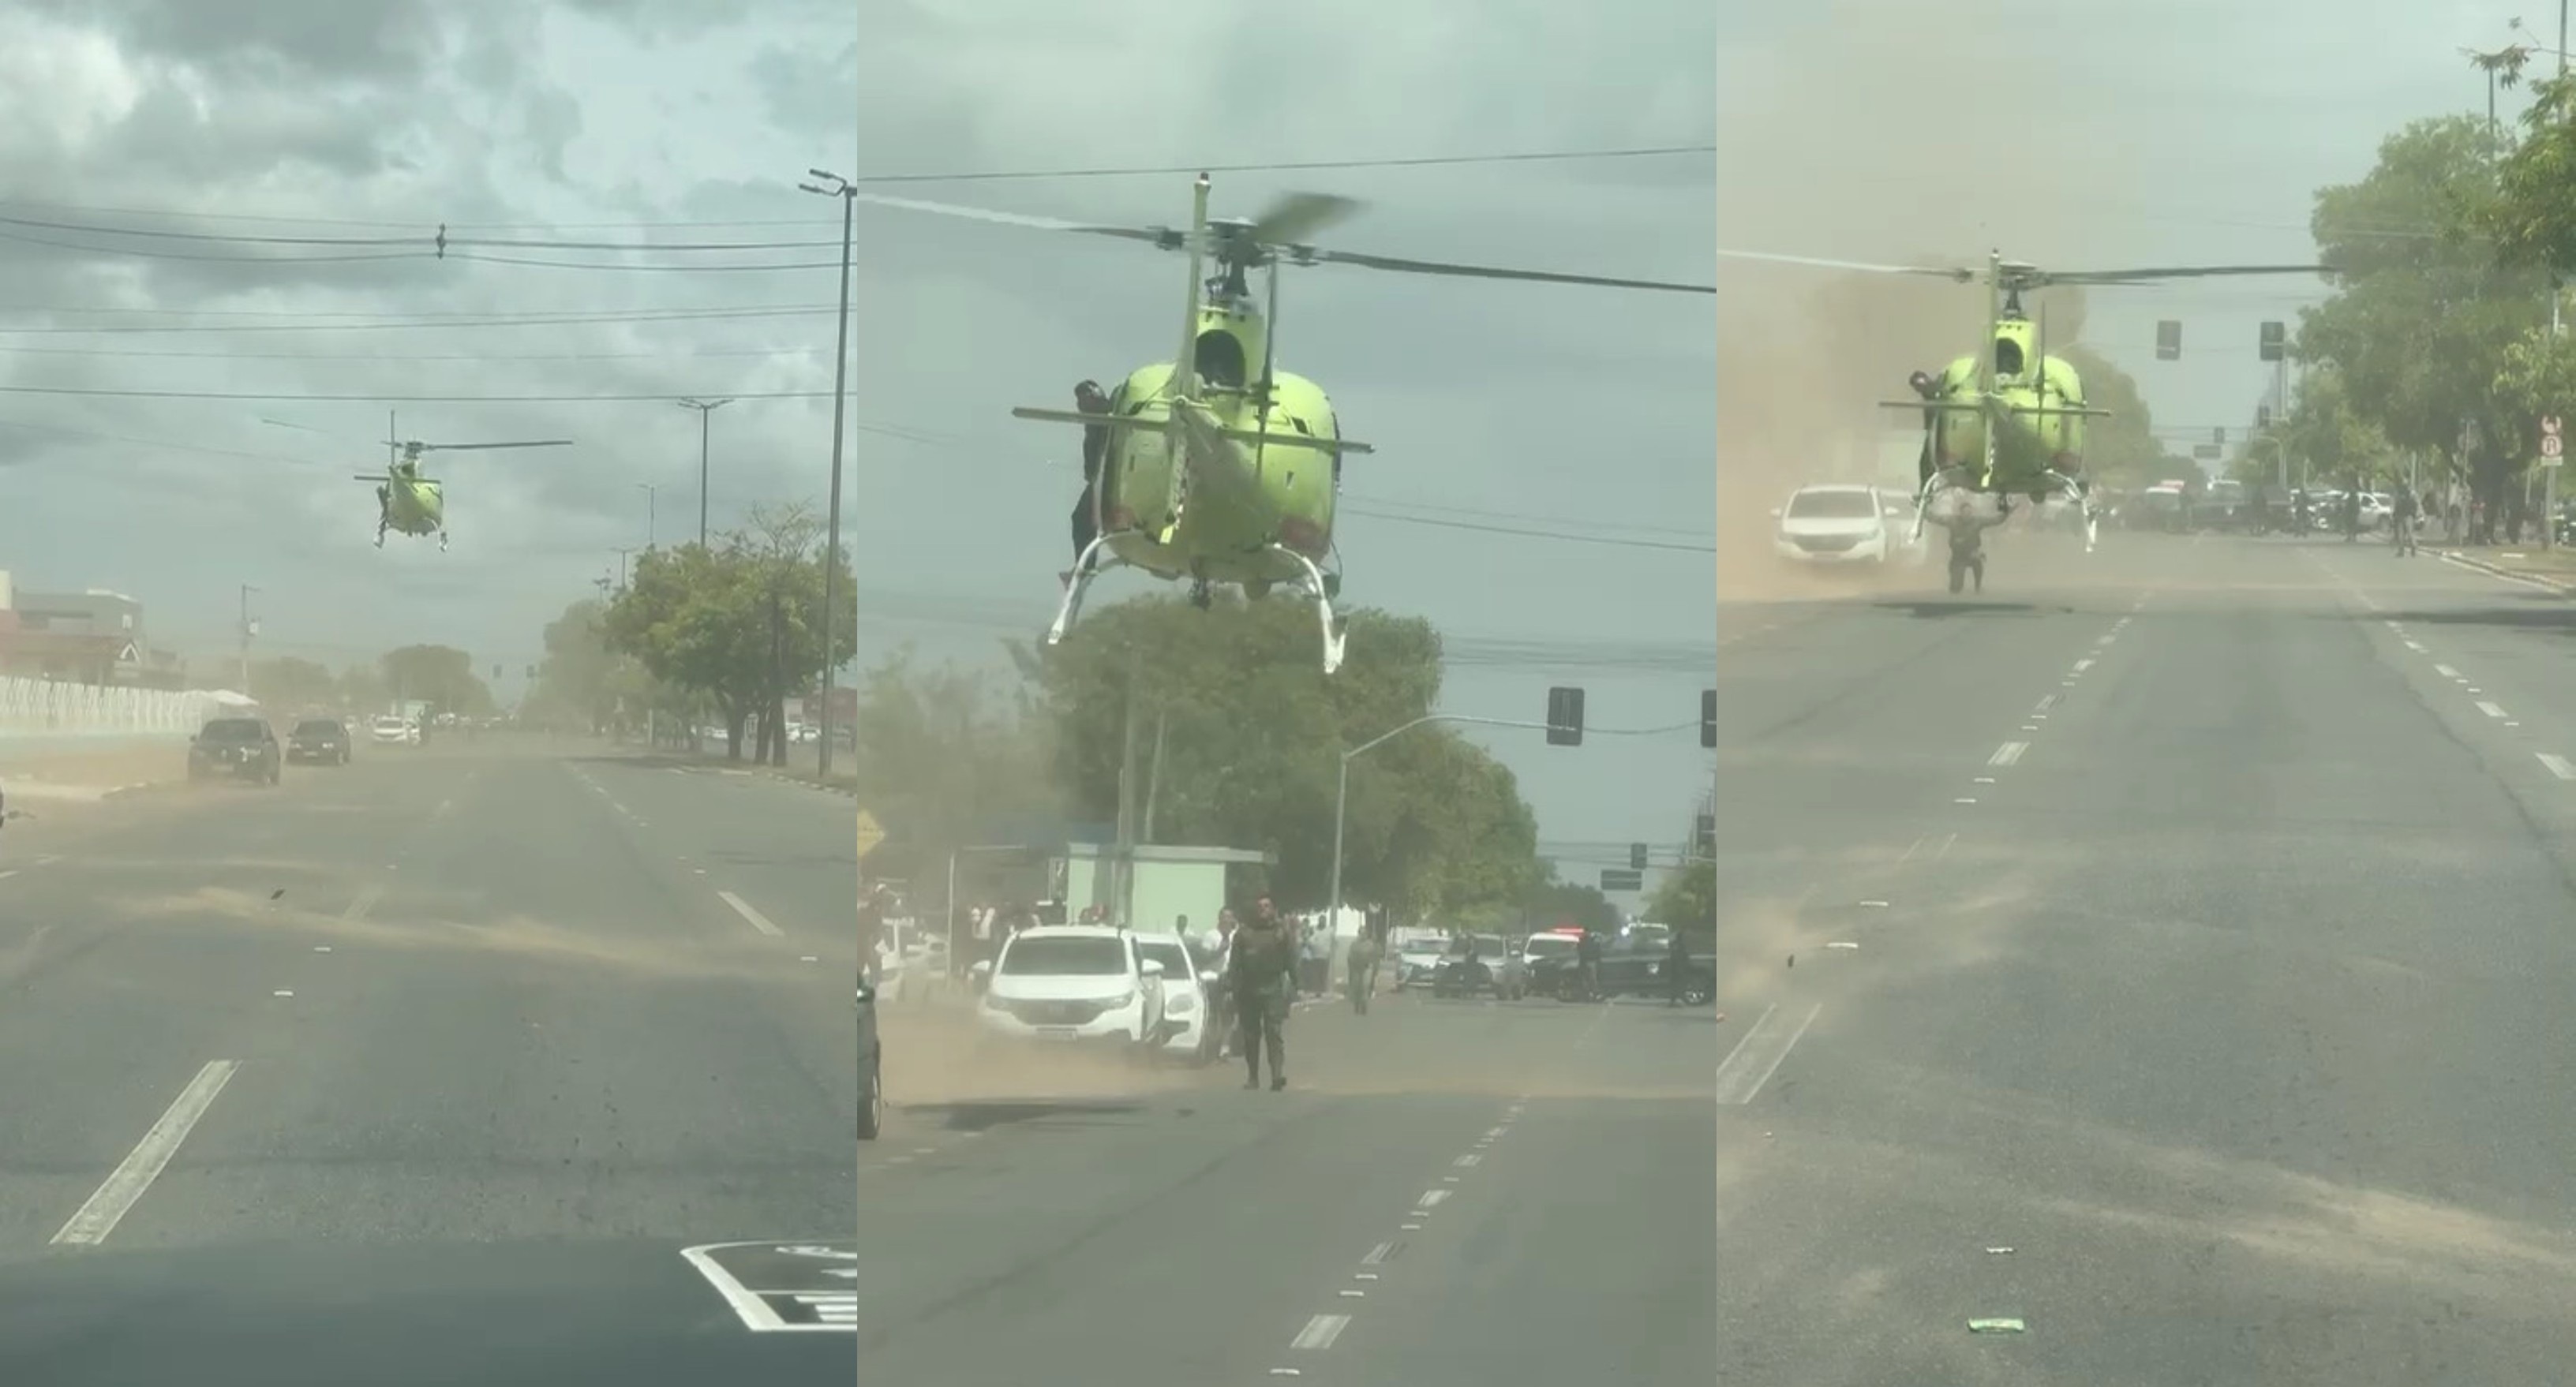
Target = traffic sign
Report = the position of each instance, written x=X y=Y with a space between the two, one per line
x=2549 y=426
x=2551 y=446
x=1622 y=879
x=870 y=834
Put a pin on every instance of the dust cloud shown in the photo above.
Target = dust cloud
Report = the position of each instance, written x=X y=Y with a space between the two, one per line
x=1887 y=134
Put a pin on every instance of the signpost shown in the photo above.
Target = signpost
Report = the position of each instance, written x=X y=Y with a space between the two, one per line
x=870 y=834
x=1622 y=879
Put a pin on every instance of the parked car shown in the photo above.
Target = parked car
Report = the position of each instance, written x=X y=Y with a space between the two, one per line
x=1189 y=1029
x=871 y=1065
x=235 y=749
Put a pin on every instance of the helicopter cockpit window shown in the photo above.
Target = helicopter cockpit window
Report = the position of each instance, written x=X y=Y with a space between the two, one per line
x=2008 y=356
x=1220 y=360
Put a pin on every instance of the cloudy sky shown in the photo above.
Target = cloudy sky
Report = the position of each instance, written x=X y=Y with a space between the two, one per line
x=293 y=160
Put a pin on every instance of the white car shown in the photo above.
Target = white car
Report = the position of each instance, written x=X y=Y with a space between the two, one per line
x=391 y=729
x=1186 y=979
x=1844 y=523
x=1080 y=983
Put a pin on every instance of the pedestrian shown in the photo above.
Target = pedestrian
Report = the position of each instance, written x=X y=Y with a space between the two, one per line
x=1677 y=962
x=1366 y=950
x=2401 y=520
x=1259 y=975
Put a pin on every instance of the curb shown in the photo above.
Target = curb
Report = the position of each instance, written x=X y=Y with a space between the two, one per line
x=2550 y=585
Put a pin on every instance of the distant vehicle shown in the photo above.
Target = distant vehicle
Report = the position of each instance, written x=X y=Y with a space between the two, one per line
x=1841 y=523
x=871 y=1065
x=1494 y=967
x=323 y=741
x=235 y=749
x=1189 y=1032
x=1074 y=983
x=393 y=729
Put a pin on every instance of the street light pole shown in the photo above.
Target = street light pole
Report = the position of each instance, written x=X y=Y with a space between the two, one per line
x=704 y=408
x=847 y=192
x=1342 y=791
x=246 y=633
x=652 y=511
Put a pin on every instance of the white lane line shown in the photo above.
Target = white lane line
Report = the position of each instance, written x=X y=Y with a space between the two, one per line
x=1320 y=1332
x=2558 y=765
x=2490 y=710
x=366 y=901
x=1759 y=1054
x=2083 y=665
x=144 y=1163
x=1378 y=1255
x=750 y=916
x=1468 y=1161
x=2446 y=671
x=2417 y=647
x=4 y=876
x=1431 y=1199
x=2008 y=753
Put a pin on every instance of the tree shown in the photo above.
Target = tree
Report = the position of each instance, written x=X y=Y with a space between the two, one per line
x=737 y=622
x=1251 y=732
x=1687 y=900
x=582 y=683
x=944 y=756
x=2428 y=304
x=439 y=675
x=364 y=686
x=289 y=682
x=2121 y=450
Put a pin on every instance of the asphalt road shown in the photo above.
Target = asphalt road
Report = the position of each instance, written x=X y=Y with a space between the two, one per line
x=2168 y=954
x=1447 y=1192
x=429 y=1069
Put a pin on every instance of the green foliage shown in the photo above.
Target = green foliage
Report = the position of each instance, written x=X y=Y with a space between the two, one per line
x=439 y=675
x=1687 y=900
x=1252 y=731
x=945 y=755
x=582 y=684
x=2122 y=450
x=2428 y=311
x=737 y=621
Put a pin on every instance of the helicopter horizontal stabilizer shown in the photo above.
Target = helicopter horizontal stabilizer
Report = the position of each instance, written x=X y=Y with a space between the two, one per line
x=1972 y=407
x=1254 y=436
x=363 y=477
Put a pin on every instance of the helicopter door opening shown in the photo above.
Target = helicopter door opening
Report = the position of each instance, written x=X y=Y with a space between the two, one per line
x=2008 y=361
x=1220 y=360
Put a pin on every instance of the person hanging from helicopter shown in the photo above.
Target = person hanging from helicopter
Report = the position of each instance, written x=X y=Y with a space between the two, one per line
x=1925 y=386
x=1089 y=398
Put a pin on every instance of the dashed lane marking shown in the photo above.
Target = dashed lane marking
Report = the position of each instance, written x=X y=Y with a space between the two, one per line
x=750 y=914
x=134 y=1175
x=2558 y=765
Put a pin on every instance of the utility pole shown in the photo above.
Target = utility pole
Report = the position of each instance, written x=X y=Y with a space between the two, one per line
x=847 y=192
x=704 y=408
x=1123 y=856
x=249 y=628
x=652 y=510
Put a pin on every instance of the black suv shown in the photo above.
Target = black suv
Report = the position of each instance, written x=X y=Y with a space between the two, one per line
x=323 y=741
x=235 y=748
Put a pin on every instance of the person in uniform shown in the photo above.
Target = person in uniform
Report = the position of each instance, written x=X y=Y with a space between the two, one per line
x=1676 y=968
x=1089 y=398
x=1259 y=972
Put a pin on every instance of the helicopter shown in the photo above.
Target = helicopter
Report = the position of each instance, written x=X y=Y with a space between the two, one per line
x=1217 y=466
x=2008 y=422
x=411 y=504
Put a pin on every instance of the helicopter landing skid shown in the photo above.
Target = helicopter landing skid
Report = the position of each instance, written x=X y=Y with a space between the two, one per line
x=1076 y=583
x=442 y=541
x=1334 y=632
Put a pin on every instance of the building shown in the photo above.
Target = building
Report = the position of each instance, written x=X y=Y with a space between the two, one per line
x=91 y=637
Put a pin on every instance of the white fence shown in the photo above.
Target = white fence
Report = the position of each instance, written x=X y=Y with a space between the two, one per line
x=31 y=708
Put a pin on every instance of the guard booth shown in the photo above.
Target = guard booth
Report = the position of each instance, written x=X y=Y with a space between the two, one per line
x=1169 y=882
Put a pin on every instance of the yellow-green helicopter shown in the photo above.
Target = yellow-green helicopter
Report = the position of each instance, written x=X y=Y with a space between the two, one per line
x=1217 y=466
x=409 y=503
x=2007 y=420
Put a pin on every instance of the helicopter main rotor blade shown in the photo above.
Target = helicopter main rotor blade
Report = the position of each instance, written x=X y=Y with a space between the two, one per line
x=1959 y=273
x=1308 y=256
x=485 y=447
x=1296 y=216
x=985 y=214
x=2149 y=276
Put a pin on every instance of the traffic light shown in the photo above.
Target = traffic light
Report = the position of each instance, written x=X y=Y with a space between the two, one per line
x=2219 y=435
x=2262 y=416
x=1636 y=857
x=2271 y=345
x=1704 y=835
x=1708 y=717
x=2169 y=340
x=1564 y=717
